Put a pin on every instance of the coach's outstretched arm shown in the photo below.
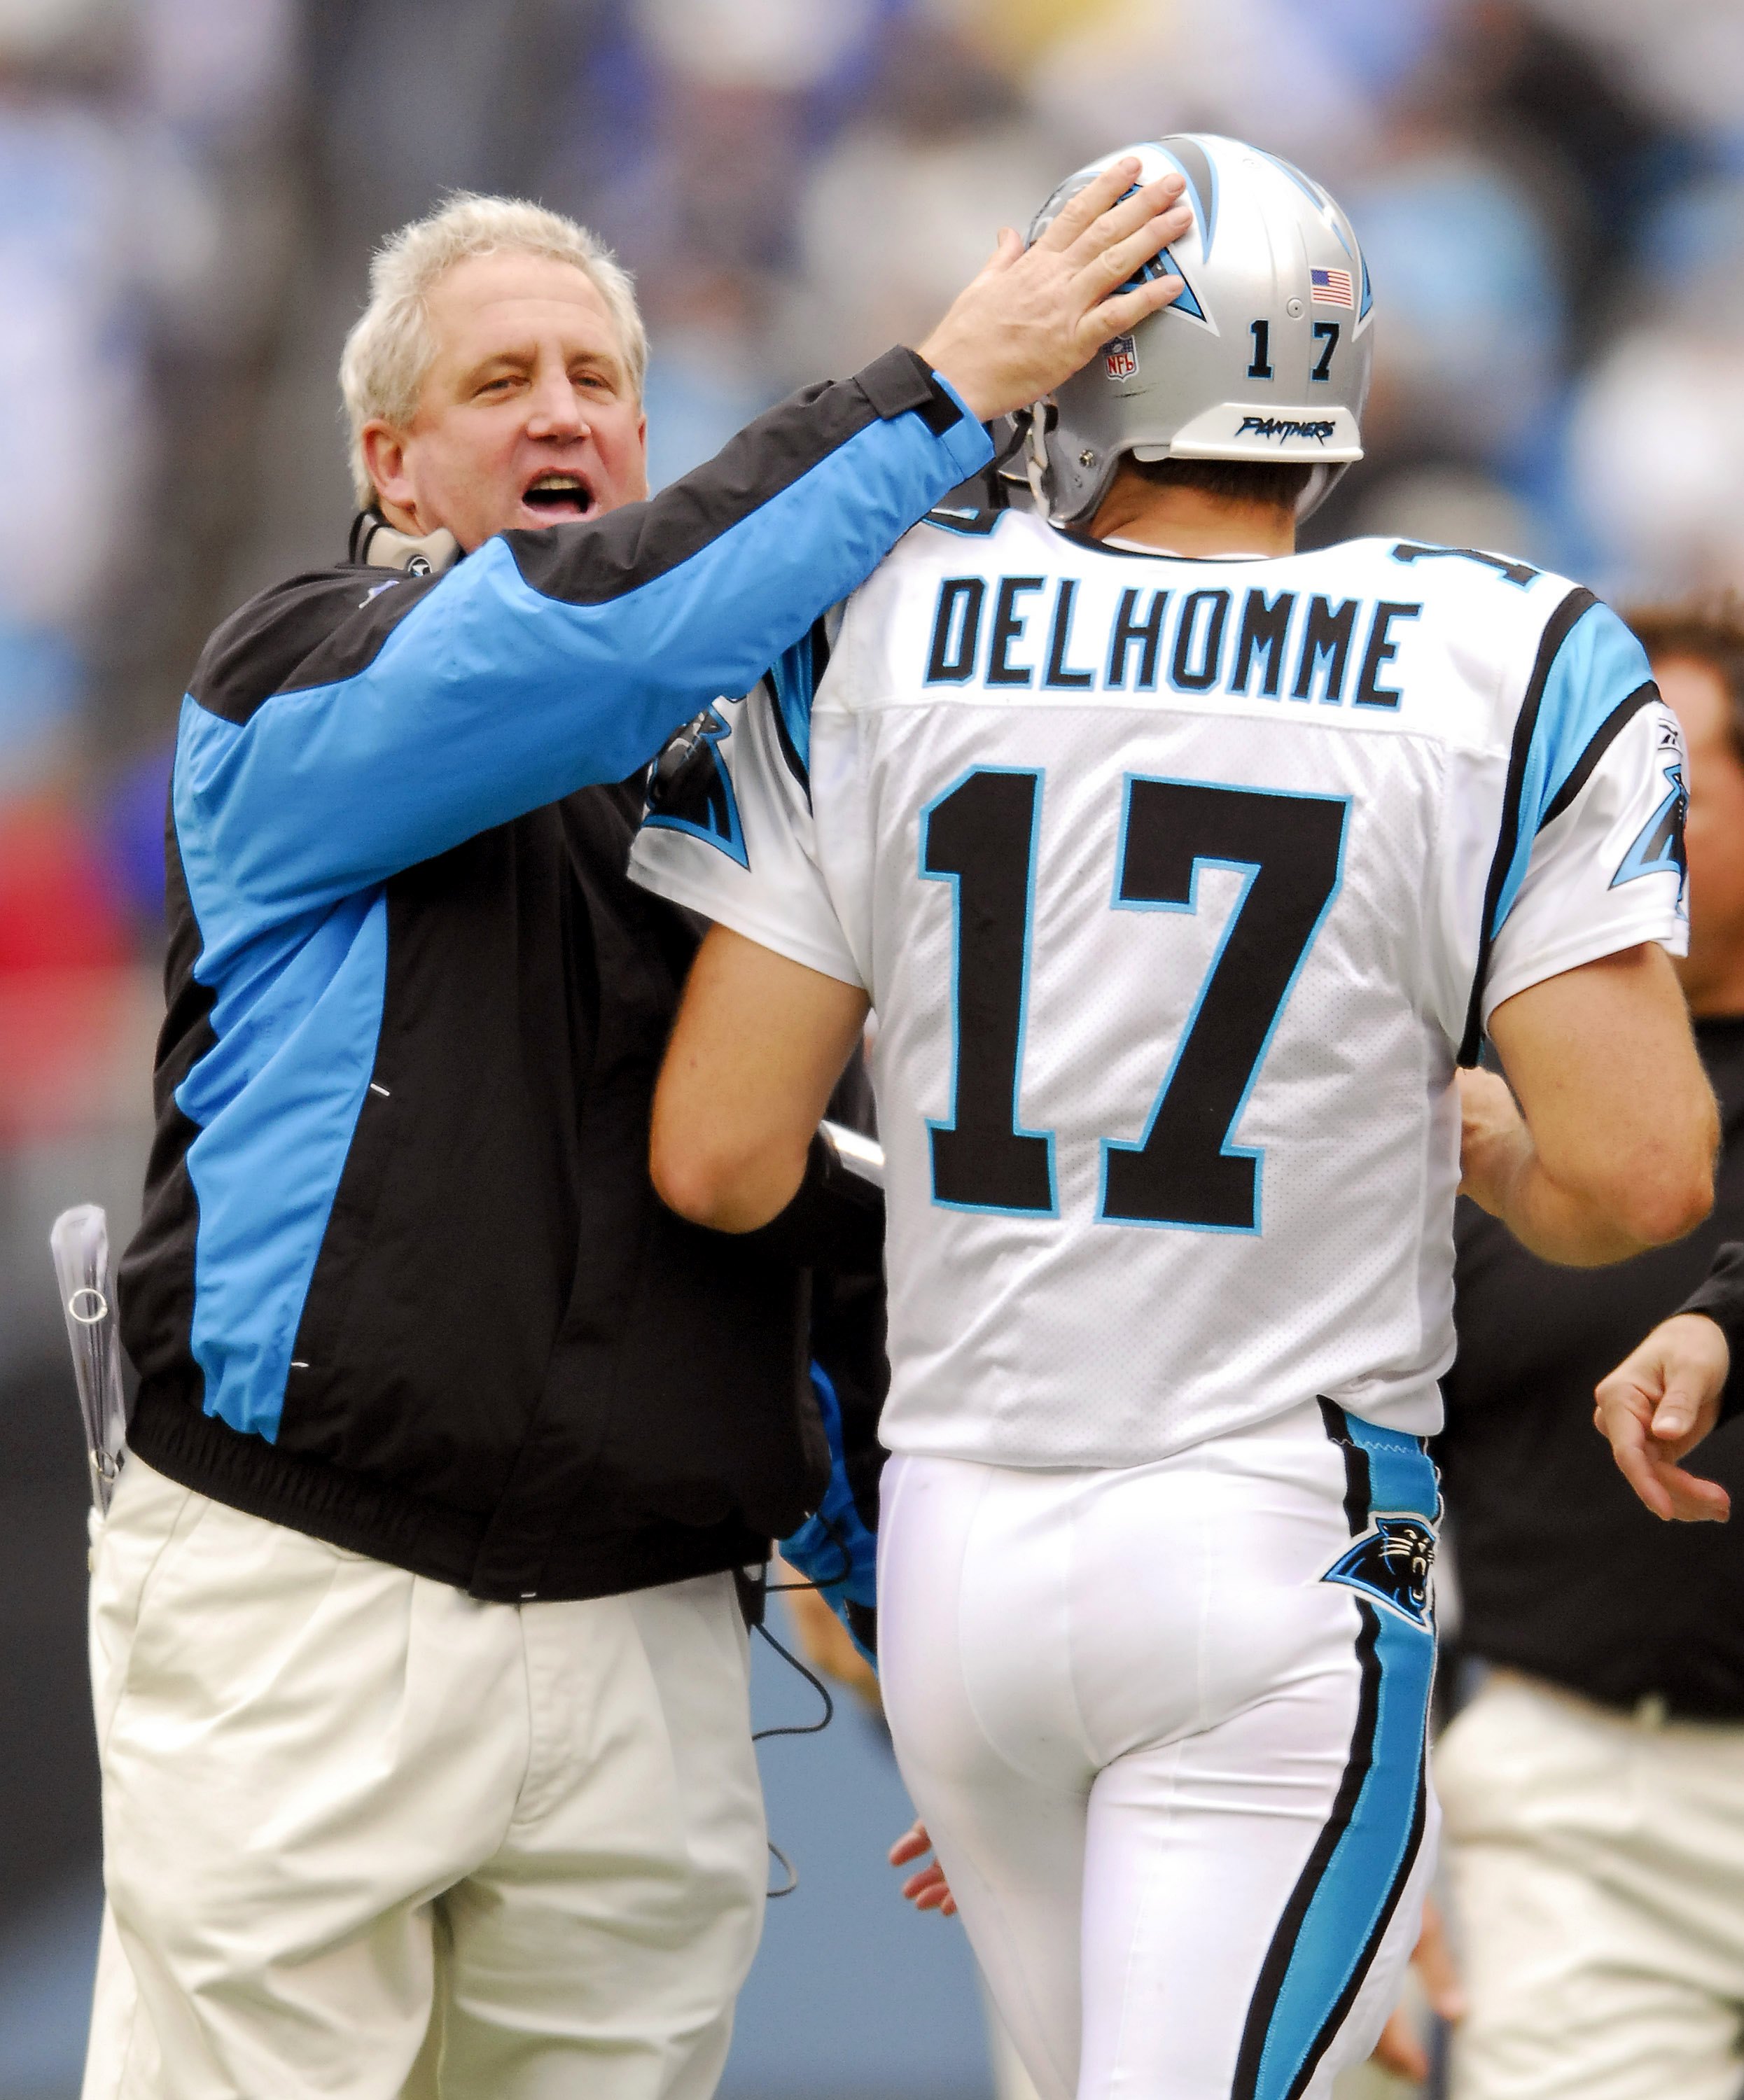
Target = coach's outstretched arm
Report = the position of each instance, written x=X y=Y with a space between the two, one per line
x=549 y=660
x=1611 y=1148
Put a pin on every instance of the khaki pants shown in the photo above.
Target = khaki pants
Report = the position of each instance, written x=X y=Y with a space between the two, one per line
x=366 y=1836
x=1596 y=1866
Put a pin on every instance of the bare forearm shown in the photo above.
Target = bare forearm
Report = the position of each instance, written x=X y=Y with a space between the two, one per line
x=740 y=1198
x=760 y=1042
x=1561 y=1225
x=1609 y=1148
x=1599 y=1191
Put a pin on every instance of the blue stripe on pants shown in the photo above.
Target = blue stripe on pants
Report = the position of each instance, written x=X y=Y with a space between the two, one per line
x=1349 y=1888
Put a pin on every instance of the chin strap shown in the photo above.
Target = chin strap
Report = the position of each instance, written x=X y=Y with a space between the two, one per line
x=1321 y=482
x=1035 y=456
x=378 y=546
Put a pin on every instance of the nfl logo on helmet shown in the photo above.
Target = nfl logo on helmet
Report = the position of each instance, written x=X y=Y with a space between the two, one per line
x=1120 y=357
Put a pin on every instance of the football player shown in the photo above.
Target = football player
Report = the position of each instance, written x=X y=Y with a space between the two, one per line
x=1184 y=873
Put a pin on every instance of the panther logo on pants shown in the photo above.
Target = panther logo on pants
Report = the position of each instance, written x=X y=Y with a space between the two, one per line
x=1391 y=1562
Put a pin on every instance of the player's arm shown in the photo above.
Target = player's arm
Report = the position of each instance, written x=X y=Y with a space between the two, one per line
x=1610 y=1149
x=759 y=1044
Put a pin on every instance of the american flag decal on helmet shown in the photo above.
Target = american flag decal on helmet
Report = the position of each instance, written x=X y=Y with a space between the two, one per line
x=1333 y=288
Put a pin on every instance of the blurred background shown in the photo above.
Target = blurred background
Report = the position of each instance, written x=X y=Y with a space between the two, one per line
x=1552 y=195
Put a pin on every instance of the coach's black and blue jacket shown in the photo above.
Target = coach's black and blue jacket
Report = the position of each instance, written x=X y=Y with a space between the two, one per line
x=402 y=1280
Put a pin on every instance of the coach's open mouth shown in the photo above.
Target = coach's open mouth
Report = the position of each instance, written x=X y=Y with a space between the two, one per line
x=554 y=497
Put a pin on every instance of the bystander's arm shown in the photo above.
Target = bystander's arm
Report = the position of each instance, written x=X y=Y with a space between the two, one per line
x=1676 y=1387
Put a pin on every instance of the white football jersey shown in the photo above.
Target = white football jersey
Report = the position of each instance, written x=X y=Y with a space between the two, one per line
x=1178 y=888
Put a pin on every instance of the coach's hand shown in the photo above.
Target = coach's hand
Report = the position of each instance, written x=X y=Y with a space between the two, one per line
x=1658 y=1405
x=1033 y=315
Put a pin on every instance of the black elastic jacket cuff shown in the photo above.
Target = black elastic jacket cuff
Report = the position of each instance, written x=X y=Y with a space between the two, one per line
x=1720 y=1295
x=901 y=380
x=836 y=1221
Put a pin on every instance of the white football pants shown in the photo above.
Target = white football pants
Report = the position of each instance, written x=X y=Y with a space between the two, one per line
x=1166 y=1726
x=1596 y=1864
x=364 y=1836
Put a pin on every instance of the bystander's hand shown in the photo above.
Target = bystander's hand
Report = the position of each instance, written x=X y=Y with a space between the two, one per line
x=1033 y=316
x=1658 y=1405
x=927 y=1889
x=1399 y=2049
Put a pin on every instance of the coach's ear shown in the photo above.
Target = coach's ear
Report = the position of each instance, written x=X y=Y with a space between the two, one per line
x=759 y=1046
x=384 y=450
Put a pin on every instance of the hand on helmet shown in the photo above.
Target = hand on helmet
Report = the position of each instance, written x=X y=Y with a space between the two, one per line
x=1034 y=316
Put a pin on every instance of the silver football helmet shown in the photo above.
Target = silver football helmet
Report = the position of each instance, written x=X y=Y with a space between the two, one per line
x=1265 y=355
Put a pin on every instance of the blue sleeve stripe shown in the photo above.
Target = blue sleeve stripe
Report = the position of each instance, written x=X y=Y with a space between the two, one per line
x=1588 y=676
x=491 y=699
x=1603 y=738
x=1598 y=667
x=794 y=677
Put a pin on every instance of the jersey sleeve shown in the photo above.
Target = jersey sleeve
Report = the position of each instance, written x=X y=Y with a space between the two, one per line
x=1605 y=869
x=729 y=830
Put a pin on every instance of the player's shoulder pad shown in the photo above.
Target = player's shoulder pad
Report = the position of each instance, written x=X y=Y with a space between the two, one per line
x=1426 y=569
x=1495 y=608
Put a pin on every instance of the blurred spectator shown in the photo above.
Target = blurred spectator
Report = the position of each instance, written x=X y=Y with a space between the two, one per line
x=1309 y=82
x=1657 y=437
x=1576 y=121
x=62 y=940
x=742 y=88
x=1469 y=329
x=71 y=369
x=137 y=255
x=910 y=197
x=1687 y=54
x=1593 y=1789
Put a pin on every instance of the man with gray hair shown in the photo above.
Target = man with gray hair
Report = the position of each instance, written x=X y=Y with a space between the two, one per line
x=419 y=1671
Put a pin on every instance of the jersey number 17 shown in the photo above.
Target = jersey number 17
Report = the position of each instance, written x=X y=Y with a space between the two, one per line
x=981 y=836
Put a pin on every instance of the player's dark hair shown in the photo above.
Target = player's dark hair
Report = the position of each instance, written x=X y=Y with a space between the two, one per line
x=1709 y=629
x=1276 y=484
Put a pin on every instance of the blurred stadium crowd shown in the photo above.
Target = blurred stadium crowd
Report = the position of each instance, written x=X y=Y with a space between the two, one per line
x=1551 y=193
